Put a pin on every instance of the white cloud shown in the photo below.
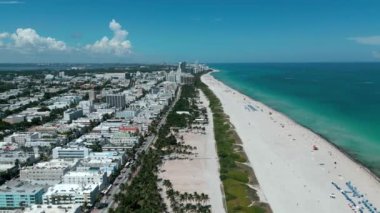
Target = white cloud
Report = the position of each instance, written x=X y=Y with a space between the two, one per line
x=3 y=36
x=11 y=2
x=117 y=45
x=27 y=42
x=369 y=40
x=29 y=39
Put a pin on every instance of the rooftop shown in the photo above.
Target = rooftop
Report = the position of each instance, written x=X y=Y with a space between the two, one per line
x=39 y=208
x=16 y=186
x=65 y=188
x=81 y=174
x=53 y=164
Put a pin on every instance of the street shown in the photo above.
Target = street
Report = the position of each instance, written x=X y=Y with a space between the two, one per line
x=126 y=172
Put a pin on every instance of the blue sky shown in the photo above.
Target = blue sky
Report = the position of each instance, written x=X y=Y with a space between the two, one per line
x=204 y=30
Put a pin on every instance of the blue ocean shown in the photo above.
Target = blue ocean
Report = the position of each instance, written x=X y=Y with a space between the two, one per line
x=340 y=101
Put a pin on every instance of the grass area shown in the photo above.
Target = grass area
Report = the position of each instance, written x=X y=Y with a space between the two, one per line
x=234 y=175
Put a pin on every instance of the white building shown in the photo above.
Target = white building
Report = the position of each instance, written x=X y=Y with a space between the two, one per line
x=48 y=173
x=49 y=77
x=120 y=76
x=116 y=100
x=41 y=208
x=72 y=114
x=108 y=166
x=14 y=119
x=126 y=114
x=69 y=98
x=187 y=78
x=11 y=157
x=171 y=76
x=70 y=152
x=123 y=139
x=61 y=74
x=178 y=74
x=91 y=95
x=22 y=137
x=71 y=194
x=86 y=177
x=42 y=142
x=86 y=106
x=58 y=105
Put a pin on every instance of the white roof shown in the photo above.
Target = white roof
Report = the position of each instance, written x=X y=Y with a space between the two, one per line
x=39 y=208
x=66 y=188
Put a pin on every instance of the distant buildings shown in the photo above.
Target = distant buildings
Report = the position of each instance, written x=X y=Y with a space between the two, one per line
x=49 y=77
x=178 y=74
x=33 y=113
x=10 y=93
x=171 y=76
x=91 y=95
x=72 y=114
x=63 y=101
x=70 y=152
x=182 y=65
x=116 y=100
x=109 y=76
x=126 y=114
x=119 y=76
x=86 y=106
x=21 y=138
x=187 y=78
x=61 y=74
x=11 y=157
x=15 y=119
x=197 y=68
x=180 y=77
x=123 y=139
x=27 y=115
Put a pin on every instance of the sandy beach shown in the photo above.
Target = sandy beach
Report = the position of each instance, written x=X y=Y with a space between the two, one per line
x=199 y=173
x=295 y=167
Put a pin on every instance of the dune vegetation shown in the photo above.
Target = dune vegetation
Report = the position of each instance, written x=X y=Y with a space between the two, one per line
x=234 y=172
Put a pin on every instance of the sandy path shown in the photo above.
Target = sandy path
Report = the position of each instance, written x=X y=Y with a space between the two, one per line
x=293 y=176
x=201 y=173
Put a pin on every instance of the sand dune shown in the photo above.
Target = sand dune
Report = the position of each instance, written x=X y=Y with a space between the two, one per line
x=293 y=175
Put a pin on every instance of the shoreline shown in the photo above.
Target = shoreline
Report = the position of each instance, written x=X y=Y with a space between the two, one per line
x=306 y=127
x=298 y=167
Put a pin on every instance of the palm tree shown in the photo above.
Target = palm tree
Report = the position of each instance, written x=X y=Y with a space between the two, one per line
x=176 y=193
x=191 y=197
x=186 y=195
x=198 y=207
x=197 y=197
x=182 y=198
x=204 y=197
x=167 y=184
x=170 y=193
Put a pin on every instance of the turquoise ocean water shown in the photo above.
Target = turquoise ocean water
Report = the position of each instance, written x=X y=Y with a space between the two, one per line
x=340 y=101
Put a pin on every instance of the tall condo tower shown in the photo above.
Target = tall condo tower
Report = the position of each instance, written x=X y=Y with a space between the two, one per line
x=179 y=73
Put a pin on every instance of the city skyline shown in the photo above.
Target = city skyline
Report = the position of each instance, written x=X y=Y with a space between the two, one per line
x=207 y=31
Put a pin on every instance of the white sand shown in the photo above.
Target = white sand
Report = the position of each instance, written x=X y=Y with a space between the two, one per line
x=293 y=176
x=201 y=173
